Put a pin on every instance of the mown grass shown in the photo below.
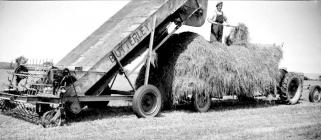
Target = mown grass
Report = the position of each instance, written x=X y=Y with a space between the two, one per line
x=120 y=123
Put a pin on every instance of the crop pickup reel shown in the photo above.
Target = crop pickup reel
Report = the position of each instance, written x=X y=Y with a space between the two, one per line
x=34 y=94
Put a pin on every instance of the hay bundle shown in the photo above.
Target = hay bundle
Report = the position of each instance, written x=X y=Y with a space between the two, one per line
x=238 y=35
x=187 y=64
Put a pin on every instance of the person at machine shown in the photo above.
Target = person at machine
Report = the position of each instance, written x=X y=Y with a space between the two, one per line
x=67 y=79
x=22 y=86
x=60 y=78
x=217 y=21
x=21 y=69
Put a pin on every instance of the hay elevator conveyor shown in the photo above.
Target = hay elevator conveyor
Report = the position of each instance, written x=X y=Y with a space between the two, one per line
x=84 y=77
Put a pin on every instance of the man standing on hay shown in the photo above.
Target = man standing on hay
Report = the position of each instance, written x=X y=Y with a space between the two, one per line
x=217 y=23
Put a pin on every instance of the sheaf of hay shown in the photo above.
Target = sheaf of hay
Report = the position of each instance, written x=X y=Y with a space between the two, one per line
x=239 y=35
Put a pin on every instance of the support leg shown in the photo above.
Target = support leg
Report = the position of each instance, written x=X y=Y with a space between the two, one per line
x=151 y=43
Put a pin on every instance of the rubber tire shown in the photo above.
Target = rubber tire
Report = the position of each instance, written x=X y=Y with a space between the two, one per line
x=137 y=101
x=312 y=91
x=282 y=73
x=98 y=105
x=285 y=87
x=196 y=105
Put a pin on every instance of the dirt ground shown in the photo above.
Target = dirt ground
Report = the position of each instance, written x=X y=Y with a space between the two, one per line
x=227 y=119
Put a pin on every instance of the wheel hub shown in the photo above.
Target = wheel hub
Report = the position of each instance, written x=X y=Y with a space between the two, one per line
x=293 y=88
x=201 y=100
x=317 y=95
x=148 y=103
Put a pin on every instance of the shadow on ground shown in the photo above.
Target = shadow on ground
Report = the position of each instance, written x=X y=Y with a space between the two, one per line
x=126 y=111
x=233 y=104
x=90 y=114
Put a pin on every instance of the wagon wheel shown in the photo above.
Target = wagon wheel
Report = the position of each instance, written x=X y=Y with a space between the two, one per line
x=201 y=102
x=292 y=87
x=315 y=94
x=147 y=101
x=52 y=118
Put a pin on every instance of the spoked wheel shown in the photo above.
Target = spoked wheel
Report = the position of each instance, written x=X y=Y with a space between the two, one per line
x=147 y=101
x=315 y=94
x=52 y=118
x=292 y=87
x=201 y=102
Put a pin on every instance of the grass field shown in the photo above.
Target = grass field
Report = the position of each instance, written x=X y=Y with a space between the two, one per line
x=226 y=120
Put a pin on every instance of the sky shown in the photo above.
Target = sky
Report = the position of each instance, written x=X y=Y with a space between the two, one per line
x=51 y=29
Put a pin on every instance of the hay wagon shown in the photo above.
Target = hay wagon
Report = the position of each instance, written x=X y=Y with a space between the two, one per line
x=86 y=75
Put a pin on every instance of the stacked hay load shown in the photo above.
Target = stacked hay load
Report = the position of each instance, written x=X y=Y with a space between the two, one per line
x=187 y=64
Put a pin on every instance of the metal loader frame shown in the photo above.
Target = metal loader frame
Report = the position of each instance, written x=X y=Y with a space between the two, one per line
x=146 y=99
